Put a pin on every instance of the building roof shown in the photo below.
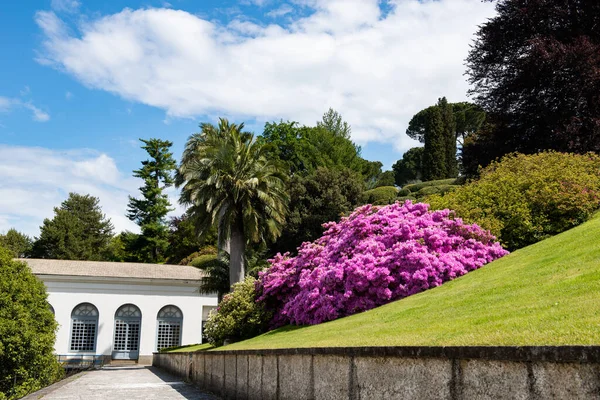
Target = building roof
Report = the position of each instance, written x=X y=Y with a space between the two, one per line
x=113 y=269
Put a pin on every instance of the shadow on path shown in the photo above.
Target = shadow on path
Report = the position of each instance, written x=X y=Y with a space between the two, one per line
x=187 y=390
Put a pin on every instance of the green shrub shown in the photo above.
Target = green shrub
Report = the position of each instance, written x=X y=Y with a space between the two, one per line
x=212 y=250
x=525 y=198
x=27 y=331
x=403 y=192
x=446 y=188
x=415 y=187
x=238 y=316
x=402 y=199
x=381 y=195
x=428 y=190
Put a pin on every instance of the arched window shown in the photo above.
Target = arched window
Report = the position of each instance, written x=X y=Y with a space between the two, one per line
x=84 y=327
x=126 y=344
x=170 y=320
x=51 y=308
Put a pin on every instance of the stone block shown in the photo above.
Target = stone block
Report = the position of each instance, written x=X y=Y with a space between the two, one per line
x=295 y=377
x=483 y=379
x=241 y=384
x=230 y=376
x=254 y=377
x=198 y=363
x=331 y=377
x=566 y=381
x=269 y=388
x=402 y=378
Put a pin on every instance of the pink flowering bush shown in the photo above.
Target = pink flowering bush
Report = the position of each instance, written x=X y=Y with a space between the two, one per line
x=374 y=256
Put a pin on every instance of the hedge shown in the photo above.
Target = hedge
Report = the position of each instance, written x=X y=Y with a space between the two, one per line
x=523 y=199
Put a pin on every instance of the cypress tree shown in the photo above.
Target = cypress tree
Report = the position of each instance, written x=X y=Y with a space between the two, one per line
x=434 y=152
x=449 y=132
x=151 y=210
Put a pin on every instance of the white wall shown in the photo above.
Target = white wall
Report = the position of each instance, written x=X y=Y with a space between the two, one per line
x=110 y=294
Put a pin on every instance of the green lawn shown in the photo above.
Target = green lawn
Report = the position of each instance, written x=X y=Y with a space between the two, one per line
x=545 y=294
x=193 y=347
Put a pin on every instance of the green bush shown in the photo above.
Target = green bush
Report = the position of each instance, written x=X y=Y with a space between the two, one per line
x=402 y=199
x=27 y=331
x=381 y=195
x=238 y=316
x=211 y=250
x=415 y=187
x=428 y=190
x=447 y=188
x=526 y=198
x=403 y=192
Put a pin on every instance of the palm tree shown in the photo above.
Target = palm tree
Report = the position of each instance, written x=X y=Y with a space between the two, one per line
x=216 y=274
x=228 y=181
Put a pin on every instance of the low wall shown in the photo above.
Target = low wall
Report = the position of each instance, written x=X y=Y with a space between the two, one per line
x=393 y=372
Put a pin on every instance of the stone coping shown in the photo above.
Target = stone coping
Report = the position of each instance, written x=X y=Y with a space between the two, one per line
x=558 y=354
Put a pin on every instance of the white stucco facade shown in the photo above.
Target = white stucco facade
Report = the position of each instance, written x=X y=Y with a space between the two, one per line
x=108 y=294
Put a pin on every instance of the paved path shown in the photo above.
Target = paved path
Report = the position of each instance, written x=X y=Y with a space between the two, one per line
x=123 y=383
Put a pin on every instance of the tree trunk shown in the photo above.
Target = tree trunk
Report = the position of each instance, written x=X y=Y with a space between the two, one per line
x=237 y=245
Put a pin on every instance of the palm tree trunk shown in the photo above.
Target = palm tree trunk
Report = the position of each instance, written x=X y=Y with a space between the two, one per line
x=237 y=245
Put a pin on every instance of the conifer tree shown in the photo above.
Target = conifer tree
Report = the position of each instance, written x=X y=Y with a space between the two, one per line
x=151 y=210
x=449 y=132
x=434 y=153
x=78 y=231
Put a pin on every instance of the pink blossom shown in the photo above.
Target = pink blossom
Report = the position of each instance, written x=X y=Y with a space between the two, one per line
x=374 y=256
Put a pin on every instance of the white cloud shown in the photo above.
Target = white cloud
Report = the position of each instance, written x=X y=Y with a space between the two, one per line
x=38 y=115
x=25 y=91
x=68 y=6
x=282 y=10
x=35 y=180
x=376 y=70
x=259 y=3
x=7 y=104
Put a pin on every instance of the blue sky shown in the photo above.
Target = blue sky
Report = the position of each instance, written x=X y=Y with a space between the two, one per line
x=81 y=81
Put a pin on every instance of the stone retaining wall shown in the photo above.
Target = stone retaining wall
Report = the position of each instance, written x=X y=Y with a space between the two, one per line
x=393 y=372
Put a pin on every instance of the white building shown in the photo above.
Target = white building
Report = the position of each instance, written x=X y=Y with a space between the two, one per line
x=123 y=310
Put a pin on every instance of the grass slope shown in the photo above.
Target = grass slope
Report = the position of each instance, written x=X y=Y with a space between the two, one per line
x=190 y=348
x=545 y=294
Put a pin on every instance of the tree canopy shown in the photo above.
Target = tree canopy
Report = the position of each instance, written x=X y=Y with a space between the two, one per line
x=410 y=167
x=534 y=69
x=17 y=243
x=322 y=196
x=78 y=231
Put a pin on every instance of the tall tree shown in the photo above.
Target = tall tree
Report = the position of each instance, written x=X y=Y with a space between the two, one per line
x=434 y=151
x=151 y=210
x=78 y=231
x=449 y=133
x=334 y=123
x=468 y=119
x=286 y=142
x=322 y=196
x=410 y=167
x=17 y=243
x=229 y=182
x=535 y=68
x=453 y=125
